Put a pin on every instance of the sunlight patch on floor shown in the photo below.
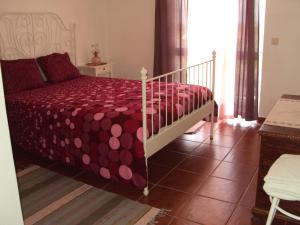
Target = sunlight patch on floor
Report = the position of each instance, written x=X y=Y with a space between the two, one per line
x=241 y=122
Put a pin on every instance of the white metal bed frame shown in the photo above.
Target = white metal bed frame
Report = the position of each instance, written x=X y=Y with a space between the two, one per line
x=202 y=74
x=30 y=35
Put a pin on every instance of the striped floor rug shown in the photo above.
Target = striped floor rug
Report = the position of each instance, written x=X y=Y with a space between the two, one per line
x=53 y=199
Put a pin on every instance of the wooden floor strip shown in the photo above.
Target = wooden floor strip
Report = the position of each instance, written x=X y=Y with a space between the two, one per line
x=49 y=198
x=56 y=205
x=27 y=170
x=148 y=216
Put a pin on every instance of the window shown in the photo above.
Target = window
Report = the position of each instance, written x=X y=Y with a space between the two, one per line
x=212 y=25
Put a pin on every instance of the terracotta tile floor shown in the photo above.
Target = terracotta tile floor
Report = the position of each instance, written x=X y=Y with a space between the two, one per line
x=201 y=181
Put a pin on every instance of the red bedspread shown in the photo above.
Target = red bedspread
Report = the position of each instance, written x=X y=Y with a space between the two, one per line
x=95 y=123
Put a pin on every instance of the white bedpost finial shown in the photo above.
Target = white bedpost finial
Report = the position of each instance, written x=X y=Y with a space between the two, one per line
x=214 y=54
x=144 y=73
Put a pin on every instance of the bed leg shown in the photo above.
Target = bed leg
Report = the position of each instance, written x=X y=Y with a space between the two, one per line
x=146 y=191
x=212 y=127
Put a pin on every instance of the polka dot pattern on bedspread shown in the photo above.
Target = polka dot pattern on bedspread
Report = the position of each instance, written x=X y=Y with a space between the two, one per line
x=96 y=123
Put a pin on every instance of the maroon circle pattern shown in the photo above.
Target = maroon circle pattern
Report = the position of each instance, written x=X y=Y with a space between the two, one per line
x=95 y=123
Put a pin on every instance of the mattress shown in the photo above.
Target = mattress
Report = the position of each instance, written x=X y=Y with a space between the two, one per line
x=96 y=123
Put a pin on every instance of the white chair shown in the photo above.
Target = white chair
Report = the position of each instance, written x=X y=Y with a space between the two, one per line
x=283 y=183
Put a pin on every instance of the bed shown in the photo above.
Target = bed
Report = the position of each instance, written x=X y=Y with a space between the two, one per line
x=107 y=125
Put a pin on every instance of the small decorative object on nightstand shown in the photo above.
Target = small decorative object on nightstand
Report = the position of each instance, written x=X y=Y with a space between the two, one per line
x=96 y=60
x=103 y=69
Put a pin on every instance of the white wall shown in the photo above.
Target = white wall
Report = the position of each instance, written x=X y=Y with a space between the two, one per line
x=10 y=209
x=89 y=17
x=281 y=63
x=91 y=25
x=125 y=33
x=123 y=29
x=131 y=36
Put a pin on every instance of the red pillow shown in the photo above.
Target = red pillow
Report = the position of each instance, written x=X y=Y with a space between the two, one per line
x=58 y=67
x=20 y=75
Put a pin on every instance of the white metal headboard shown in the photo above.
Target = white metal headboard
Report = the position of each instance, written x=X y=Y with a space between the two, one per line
x=30 y=35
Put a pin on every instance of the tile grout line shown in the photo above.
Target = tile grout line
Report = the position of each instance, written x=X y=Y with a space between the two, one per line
x=247 y=188
x=187 y=156
x=167 y=174
x=231 y=149
x=237 y=204
x=178 y=217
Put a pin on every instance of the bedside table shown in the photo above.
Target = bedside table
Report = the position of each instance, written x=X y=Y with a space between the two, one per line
x=104 y=70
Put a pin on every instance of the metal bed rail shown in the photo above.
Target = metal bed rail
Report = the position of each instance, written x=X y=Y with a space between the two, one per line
x=169 y=107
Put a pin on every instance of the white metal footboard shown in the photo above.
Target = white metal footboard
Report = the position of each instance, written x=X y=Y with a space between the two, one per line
x=189 y=108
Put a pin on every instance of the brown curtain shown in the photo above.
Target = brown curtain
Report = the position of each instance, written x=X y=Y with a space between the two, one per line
x=246 y=77
x=170 y=51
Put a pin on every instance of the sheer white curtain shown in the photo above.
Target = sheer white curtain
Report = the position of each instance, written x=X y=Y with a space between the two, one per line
x=212 y=25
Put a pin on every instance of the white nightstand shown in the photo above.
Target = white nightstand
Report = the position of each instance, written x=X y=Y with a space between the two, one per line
x=104 y=70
